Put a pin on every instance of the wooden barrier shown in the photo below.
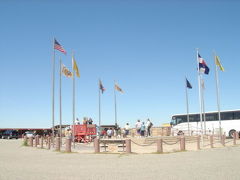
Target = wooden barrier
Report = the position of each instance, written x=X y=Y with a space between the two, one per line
x=68 y=145
x=46 y=140
x=25 y=140
x=49 y=142
x=41 y=142
x=31 y=141
x=57 y=147
x=223 y=139
x=96 y=145
x=198 y=142
x=37 y=139
x=159 y=146
x=234 y=138
x=120 y=142
x=52 y=141
x=128 y=146
x=155 y=141
x=182 y=144
x=211 y=141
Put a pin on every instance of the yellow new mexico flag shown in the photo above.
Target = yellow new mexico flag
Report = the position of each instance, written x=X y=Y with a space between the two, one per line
x=218 y=63
x=75 y=67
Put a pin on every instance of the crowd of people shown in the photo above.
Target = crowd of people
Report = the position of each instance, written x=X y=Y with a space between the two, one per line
x=85 y=121
x=143 y=129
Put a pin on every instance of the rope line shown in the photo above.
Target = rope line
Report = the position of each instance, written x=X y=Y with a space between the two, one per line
x=143 y=144
x=215 y=142
x=228 y=141
x=206 y=145
x=170 y=143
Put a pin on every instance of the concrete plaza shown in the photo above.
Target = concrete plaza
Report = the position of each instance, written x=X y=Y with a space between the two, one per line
x=18 y=162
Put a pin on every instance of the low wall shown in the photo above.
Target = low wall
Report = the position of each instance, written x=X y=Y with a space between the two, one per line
x=155 y=131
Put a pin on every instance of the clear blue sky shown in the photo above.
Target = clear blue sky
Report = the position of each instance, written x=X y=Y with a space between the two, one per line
x=148 y=47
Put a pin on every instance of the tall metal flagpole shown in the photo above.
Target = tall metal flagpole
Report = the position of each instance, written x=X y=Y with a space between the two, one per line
x=99 y=105
x=203 y=105
x=53 y=83
x=115 y=103
x=60 y=99
x=217 y=91
x=200 y=99
x=187 y=106
x=73 y=129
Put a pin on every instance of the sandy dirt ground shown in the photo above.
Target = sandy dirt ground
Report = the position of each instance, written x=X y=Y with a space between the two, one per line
x=18 y=162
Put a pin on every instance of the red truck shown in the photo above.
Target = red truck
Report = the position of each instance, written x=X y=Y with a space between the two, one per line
x=84 y=132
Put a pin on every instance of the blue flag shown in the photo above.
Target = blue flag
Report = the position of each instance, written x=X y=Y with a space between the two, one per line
x=188 y=84
x=101 y=86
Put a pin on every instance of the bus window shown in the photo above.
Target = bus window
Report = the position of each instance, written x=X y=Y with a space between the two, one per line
x=196 y=118
x=236 y=115
x=227 y=115
x=191 y=118
x=179 y=120
x=173 y=122
x=211 y=117
x=184 y=118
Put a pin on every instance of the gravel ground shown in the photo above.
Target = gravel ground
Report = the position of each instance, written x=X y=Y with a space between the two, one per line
x=27 y=163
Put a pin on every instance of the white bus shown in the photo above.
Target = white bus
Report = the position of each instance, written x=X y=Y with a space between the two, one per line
x=230 y=122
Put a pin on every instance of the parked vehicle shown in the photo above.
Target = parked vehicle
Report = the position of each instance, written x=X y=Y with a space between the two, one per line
x=84 y=132
x=212 y=123
x=29 y=134
x=10 y=134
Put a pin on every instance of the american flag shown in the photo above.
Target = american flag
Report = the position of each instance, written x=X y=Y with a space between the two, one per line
x=59 y=47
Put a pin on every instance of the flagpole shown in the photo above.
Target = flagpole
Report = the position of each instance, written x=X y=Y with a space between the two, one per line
x=99 y=105
x=53 y=83
x=115 y=103
x=203 y=106
x=200 y=95
x=218 y=99
x=73 y=129
x=60 y=99
x=187 y=105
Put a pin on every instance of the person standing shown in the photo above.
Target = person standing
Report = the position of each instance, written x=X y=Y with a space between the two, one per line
x=103 y=133
x=85 y=120
x=127 y=128
x=90 y=121
x=149 y=125
x=118 y=131
x=68 y=133
x=77 y=122
x=142 y=129
x=138 y=126
x=109 y=133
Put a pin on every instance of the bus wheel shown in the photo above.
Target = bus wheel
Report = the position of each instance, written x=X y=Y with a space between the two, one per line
x=231 y=133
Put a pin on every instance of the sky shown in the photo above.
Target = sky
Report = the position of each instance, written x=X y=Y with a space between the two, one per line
x=148 y=47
